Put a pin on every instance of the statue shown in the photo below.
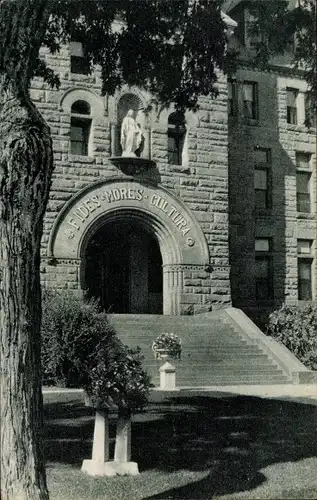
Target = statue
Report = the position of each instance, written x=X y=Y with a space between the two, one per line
x=131 y=136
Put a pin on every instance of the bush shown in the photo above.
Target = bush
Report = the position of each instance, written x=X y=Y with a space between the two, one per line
x=71 y=330
x=296 y=328
x=81 y=349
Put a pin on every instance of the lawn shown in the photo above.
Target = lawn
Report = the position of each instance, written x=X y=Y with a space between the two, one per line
x=190 y=446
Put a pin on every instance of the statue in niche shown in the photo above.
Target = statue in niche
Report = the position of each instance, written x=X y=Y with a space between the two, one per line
x=131 y=135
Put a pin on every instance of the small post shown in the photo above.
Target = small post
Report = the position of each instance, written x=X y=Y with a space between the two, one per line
x=100 y=448
x=168 y=377
x=122 y=452
x=122 y=465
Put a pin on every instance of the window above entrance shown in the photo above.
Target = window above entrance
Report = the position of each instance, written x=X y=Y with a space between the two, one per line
x=80 y=128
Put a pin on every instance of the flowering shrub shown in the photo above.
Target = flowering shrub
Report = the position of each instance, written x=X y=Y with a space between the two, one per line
x=168 y=342
x=296 y=328
x=117 y=380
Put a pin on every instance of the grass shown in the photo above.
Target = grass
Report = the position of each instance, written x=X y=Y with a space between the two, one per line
x=190 y=447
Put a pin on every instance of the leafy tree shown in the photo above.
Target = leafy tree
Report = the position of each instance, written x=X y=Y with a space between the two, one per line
x=172 y=48
x=280 y=29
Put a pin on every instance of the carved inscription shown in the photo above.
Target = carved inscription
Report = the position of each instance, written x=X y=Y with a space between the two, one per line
x=82 y=212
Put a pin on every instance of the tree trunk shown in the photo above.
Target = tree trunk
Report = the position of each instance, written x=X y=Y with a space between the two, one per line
x=25 y=173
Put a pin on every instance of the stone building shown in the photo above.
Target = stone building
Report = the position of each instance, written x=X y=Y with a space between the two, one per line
x=221 y=211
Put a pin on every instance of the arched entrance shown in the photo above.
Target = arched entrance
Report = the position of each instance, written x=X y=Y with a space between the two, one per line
x=101 y=224
x=123 y=268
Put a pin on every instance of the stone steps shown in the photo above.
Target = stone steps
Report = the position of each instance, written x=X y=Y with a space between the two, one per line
x=214 y=353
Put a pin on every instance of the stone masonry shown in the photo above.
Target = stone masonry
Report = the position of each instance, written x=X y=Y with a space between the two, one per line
x=217 y=184
x=202 y=184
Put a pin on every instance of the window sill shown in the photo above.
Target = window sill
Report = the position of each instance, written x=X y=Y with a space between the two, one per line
x=306 y=215
x=80 y=158
x=300 y=128
x=182 y=169
x=79 y=77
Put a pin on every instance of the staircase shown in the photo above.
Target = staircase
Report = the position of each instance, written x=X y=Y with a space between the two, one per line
x=215 y=352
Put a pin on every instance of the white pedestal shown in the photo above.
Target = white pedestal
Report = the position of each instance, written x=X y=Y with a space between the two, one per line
x=100 y=465
x=122 y=451
x=100 y=447
x=168 y=377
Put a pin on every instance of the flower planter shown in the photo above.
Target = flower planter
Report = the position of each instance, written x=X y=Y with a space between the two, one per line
x=167 y=345
x=162 y=354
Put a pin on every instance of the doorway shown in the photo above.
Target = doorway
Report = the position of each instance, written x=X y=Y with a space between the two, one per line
x=123 y=269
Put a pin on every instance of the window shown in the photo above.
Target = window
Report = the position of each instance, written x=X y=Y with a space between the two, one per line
x=310 y=112
x=304 y=269
x=262 y=179
x=303 y=182
x=78 y=62
x=303 y=160
x=291 y=103
x=176 y=138
x=80 y=127
x=250 y=91
x=263 y=269
x=232 y=98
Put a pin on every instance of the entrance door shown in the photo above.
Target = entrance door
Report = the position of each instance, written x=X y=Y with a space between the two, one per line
x=124 y=269
x=115 y=273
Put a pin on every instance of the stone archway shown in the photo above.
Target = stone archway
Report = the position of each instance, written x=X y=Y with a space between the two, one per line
x=181 y=241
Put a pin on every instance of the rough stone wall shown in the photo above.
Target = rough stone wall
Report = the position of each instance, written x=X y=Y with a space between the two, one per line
x=282 y=223
x=202 y=185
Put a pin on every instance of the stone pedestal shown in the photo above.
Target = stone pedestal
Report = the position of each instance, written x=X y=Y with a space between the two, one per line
x=100 y=448
x=122 y=464
x=168 y=377
x=100 y=465
x=122 y=451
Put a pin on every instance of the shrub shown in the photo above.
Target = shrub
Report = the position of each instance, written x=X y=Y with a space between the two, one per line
x=296 y=328
x=71 y=330
x=81 y=349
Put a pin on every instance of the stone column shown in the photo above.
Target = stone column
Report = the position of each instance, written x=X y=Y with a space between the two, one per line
x=113 y=128
x=122 y=464
x=173 y=287
x=122 y=452
x=147 y=144
x=100 y=449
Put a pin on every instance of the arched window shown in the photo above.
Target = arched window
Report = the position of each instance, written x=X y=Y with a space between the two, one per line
x=80 y=128
x=176 y=137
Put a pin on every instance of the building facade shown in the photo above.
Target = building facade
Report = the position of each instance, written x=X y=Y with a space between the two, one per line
x=219 y=208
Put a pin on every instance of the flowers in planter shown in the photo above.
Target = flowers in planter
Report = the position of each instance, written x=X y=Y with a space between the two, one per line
x=117 y=380
x=167 y=344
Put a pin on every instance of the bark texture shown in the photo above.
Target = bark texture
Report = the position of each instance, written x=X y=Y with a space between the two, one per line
x=25 y=173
